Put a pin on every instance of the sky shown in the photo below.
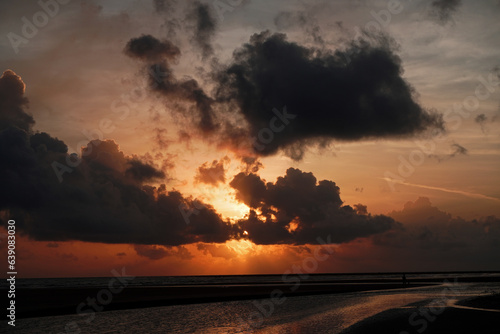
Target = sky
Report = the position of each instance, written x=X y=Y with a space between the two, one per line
x=250 y=137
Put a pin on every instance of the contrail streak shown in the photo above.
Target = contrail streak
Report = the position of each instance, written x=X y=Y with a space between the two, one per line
x=453 y=191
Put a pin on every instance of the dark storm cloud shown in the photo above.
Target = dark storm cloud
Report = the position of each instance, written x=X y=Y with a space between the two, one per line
x=443 y=10
x=297 y=209
x=201 y=17
x=103 y=199
x=355 y=94
x=158 y=55
x=213 y=173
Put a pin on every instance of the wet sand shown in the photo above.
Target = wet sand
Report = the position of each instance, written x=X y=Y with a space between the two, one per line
x=478 y=314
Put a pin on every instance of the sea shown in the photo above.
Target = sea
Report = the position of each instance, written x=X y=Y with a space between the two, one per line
x=158 y=281
x=328 y=313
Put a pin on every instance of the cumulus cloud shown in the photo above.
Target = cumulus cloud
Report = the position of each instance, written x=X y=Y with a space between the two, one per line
x=109 y=198
x=297 y=209
x=105 y=198
x=351 y=94
x=12 y=101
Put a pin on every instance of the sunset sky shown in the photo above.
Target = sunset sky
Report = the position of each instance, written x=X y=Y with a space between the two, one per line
x=228 y=137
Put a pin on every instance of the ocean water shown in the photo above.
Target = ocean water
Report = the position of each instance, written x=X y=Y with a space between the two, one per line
x=153 y=281
x=302 y=314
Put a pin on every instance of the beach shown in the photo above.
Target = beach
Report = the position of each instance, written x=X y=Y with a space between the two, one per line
x=477 y=315
x=347 y=308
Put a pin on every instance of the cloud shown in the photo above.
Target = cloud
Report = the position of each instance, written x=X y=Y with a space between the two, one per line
x=142 y=172
x=481 y=120
x=428 y=239
x=152 y=252
x=156 y=252
x=164 y=5
x=213 y=173
x=221 y=251
x=12 y=101
x=297 y=209
x=353 y=94
x=103 y=198
x=251 y=164
x=303 y=19
x=443 y=10
x=201 y=16
x=158 y=56
x=426 y=226
x=457 y=149
x=151 y=49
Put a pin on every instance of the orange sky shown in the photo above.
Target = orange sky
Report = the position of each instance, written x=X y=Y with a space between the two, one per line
x=84 y=82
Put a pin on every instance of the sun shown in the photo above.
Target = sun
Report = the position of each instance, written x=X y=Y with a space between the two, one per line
x=223 y=200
